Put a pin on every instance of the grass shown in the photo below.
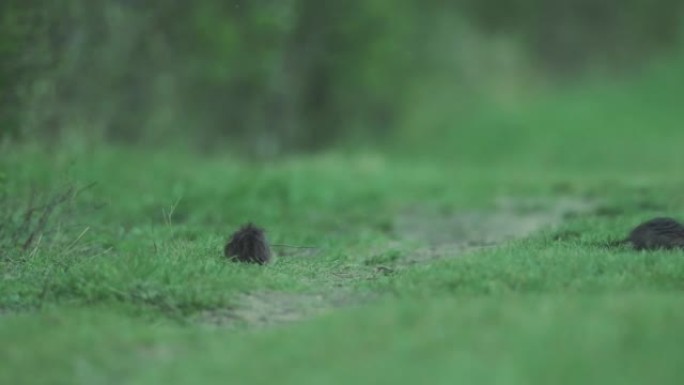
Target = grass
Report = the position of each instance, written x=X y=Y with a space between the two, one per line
x=626 y=338
x=468 y=268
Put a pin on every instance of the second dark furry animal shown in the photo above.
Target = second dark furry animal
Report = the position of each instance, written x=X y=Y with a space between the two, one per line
x=657 y=233
x=248 y=244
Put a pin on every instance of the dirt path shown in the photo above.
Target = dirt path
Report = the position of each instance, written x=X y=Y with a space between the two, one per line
x=443 y=236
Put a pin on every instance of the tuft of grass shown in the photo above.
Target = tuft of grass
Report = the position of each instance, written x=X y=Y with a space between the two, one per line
x=31 y=220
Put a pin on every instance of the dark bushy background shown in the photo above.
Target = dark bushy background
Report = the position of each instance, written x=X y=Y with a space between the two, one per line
x=274 y=76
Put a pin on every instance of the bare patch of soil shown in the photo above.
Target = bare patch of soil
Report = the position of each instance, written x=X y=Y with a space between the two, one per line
x=267 y=308
x=454 y=235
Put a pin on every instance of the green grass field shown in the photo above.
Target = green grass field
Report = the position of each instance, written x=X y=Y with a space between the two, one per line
x=484 y=264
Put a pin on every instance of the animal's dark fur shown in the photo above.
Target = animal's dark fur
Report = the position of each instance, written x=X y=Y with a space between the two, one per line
x=657 y=233
x=248 y=245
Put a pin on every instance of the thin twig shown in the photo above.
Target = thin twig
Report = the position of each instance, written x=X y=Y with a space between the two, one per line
x=173 y=209
x=68 y=249
x=35 y=248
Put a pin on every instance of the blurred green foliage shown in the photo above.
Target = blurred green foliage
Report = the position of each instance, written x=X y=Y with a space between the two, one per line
x=269 y=77
x=569 y=36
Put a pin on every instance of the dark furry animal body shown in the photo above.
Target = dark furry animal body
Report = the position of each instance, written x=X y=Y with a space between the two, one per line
x=248 y=244
x=657 y=233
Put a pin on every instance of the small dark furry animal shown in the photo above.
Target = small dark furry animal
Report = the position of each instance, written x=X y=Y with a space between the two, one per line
x=248 y=244
x=657 y=233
